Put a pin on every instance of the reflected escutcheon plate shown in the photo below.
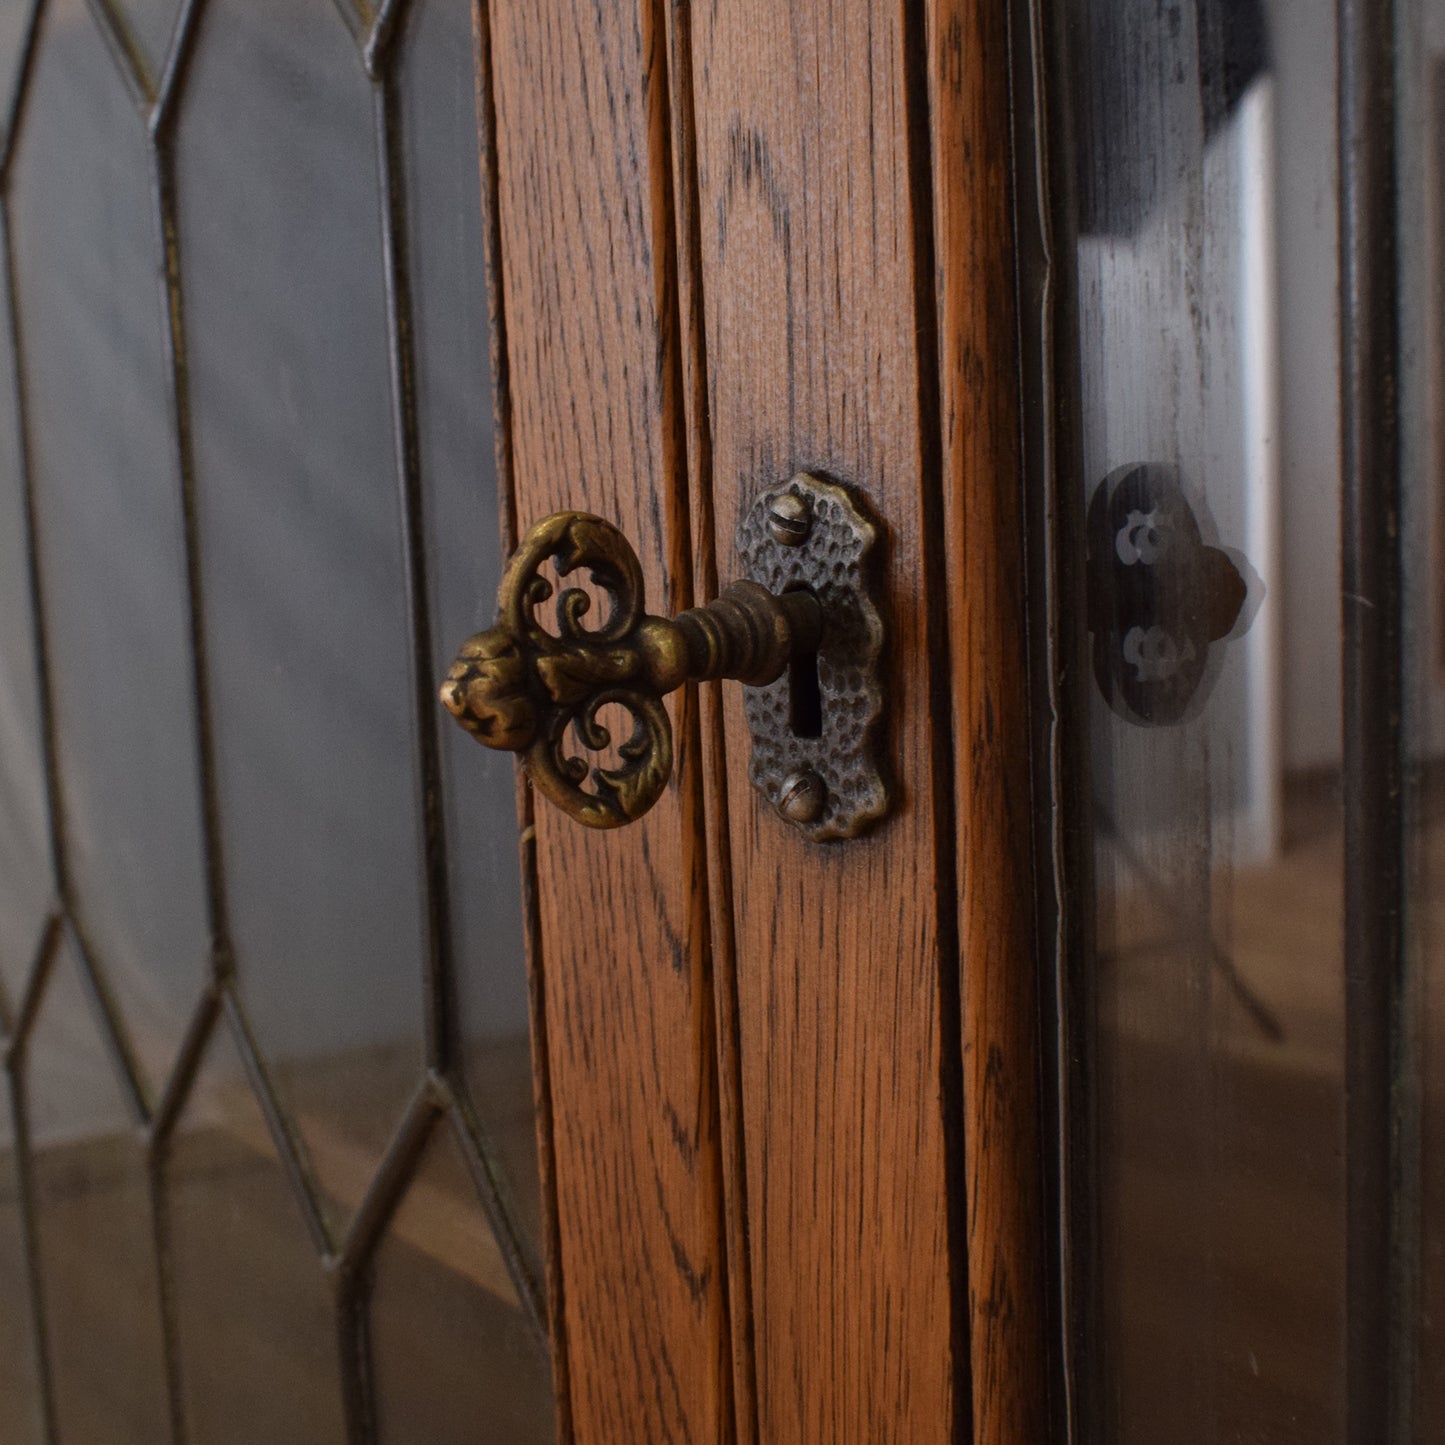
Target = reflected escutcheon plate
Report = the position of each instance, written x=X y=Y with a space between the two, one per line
x=1160 y=597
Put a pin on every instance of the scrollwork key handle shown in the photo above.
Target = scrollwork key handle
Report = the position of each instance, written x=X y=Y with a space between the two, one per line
x=520 y=687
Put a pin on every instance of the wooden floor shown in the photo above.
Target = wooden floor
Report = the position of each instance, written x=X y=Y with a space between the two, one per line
x=1221 y=1119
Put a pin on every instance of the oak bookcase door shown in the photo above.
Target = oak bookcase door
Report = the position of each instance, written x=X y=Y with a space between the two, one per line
x=733 y=245
x=351 y=1092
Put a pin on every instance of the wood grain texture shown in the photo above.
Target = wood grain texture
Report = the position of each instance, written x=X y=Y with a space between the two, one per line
x=693 y=351
x=808 y=246
x=588 y=283
x=974 y=247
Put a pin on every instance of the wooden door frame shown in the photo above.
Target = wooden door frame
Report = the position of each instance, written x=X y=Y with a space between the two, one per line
x=609 y=146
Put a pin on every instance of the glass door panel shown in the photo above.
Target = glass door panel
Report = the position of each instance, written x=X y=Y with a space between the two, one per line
x=275 y=1169
x=1419 y=1342
x=1206 y=279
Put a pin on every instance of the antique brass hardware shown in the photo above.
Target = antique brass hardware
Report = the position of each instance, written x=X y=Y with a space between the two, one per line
x=821 y=769
x=807 y=621
x=518 y=686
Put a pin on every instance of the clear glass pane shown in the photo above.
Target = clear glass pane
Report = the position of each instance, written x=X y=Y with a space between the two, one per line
x=458 y=461
x=304 y=609
x=256 y=1324
x=95 y=1237
x=14 y=25
x=1207 y=280
x=20 y=1417
x=454 y=1357
x=281 y=263
x=87 y=258
x=152 y=23
x=25 y=881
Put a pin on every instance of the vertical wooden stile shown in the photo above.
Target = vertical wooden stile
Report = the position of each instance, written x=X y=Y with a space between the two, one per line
x=588 y=280
x=973 y=222
x=714 y=751
x=814 y=243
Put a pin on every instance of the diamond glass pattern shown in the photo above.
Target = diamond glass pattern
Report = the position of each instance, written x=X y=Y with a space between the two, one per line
x=450 y=1340
x=302 y=551
x=252 y=356
x=109 y=530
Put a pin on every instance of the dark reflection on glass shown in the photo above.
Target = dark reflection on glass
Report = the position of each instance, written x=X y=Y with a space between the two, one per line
x=95 y=1238
x=255 y=1319
x=302 y=554
x=1162 y=599
x=1206 y=290
x=454 y=413
x=87 y=255
x=1420 y=121
x=453 y=1353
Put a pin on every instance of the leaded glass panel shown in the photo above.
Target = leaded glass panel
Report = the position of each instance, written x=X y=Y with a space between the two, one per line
x=279 y=1021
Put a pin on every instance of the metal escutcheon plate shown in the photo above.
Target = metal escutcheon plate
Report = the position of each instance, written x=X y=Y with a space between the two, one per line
x=816 y=757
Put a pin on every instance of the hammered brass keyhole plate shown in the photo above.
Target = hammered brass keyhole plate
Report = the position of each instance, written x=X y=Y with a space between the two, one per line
x=817 y=760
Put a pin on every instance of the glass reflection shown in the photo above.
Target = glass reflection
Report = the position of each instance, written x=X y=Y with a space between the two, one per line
x=1206 y=274
x=1420 y=122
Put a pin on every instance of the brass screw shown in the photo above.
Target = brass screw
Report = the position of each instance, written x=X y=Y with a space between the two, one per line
x=803 y=797
x=790 y=519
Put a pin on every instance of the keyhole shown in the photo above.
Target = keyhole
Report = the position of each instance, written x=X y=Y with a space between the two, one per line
x=805 y=696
